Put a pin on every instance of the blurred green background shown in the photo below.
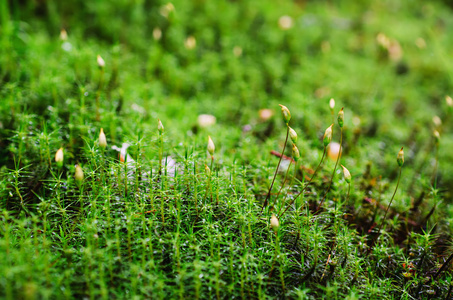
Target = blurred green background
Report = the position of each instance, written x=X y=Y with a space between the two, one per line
x=387 y=62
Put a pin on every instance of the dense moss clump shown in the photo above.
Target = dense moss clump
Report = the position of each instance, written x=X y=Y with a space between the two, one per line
x=143 y=152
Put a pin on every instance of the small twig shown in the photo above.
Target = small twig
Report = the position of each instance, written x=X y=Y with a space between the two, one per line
x=304 y=168
x=327 y=264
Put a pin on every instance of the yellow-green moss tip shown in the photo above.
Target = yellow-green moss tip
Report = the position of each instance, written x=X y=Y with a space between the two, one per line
x=328 y=135
x=286 y=114
x=341 y=118
x=400 y=157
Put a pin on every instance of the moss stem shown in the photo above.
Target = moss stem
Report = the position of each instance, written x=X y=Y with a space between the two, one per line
x=308 y=183
x=333 y=173
x=276 y=170
x=385 y=215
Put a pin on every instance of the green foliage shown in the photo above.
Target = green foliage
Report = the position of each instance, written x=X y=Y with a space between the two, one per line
x=155 y=223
